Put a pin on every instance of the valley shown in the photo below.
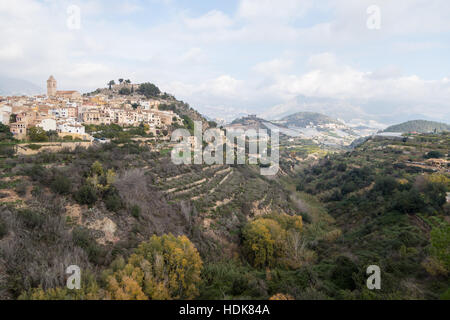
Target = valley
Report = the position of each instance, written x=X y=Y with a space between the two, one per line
x=94 y=206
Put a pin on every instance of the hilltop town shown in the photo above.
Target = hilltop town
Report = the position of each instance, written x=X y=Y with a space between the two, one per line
x=68 y=113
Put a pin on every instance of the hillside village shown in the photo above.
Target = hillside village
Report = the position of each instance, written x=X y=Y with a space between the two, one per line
x=68 y=112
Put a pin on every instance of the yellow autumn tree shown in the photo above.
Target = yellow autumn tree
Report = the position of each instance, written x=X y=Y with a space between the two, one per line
x=265 y=239
x=96 y=169
x=99 y=178
x=166 y=267
x=262 y=238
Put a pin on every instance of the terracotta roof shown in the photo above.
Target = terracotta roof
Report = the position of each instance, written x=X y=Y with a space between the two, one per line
x=65 y=92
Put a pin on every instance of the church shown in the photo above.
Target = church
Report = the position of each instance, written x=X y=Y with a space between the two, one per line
x=53 y=93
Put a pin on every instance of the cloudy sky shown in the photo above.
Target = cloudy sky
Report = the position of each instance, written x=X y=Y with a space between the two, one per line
x=231 y=57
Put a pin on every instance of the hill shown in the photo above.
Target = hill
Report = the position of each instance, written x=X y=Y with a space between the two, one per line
x=167 y=101
x=421 y=126
x=390 y=205
x=248 y=122
x=12 y=86
x=320 y=128
x=304 y=119
x=98 y=204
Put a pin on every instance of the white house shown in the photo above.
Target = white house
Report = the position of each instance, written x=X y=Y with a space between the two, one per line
x=71 y=127
x=48 y=124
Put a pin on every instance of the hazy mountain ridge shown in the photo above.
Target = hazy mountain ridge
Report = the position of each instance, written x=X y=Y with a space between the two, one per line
x=422 y=126
x=304 y=119
x=12 y=86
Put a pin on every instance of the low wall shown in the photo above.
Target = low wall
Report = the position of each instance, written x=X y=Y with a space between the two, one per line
x=22 y=149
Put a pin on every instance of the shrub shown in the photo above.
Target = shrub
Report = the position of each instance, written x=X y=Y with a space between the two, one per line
x=409 y=201
x=136 y=211
x=7 y=150
x=386 y=185
x=341 y=167
x=349 y=187
x=435 y=194
x=86 y=195
x=440 y=245
x=113 y=201
x=125 y=91
x=61 y=184
x=34 y=146
x=342 y=273
x=3 y=228
x=67 y=138
x=37 y=172
x=21 y=188
x=30 y=218
x=434 y=155
x=84 y=240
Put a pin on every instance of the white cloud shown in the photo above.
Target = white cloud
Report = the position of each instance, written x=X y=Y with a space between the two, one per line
x=274 y=66
x=223 y=87
x=391 y=91
x=11 y=52
x=128 y=7
x=210 y=58
x=212 y=19
x=193 y=55
x=269 y=10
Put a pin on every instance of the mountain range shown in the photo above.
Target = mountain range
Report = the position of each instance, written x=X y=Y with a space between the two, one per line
x=326 y=130
x=14 y=86
x=355 y=110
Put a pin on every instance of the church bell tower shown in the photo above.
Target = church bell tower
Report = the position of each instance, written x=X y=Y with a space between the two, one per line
x=51 y=87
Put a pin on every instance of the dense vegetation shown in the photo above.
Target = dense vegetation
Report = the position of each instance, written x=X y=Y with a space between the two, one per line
x=390 y=213
x=141 y=227
x=6 y=141
x=149 y=90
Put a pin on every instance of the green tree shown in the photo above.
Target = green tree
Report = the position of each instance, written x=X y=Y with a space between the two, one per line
x=111 y=83
x=149 y=90
x=37 y=134
x=5 y=133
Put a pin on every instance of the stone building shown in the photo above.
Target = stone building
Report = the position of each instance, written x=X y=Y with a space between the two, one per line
x=52 y=92
x=51 y=87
